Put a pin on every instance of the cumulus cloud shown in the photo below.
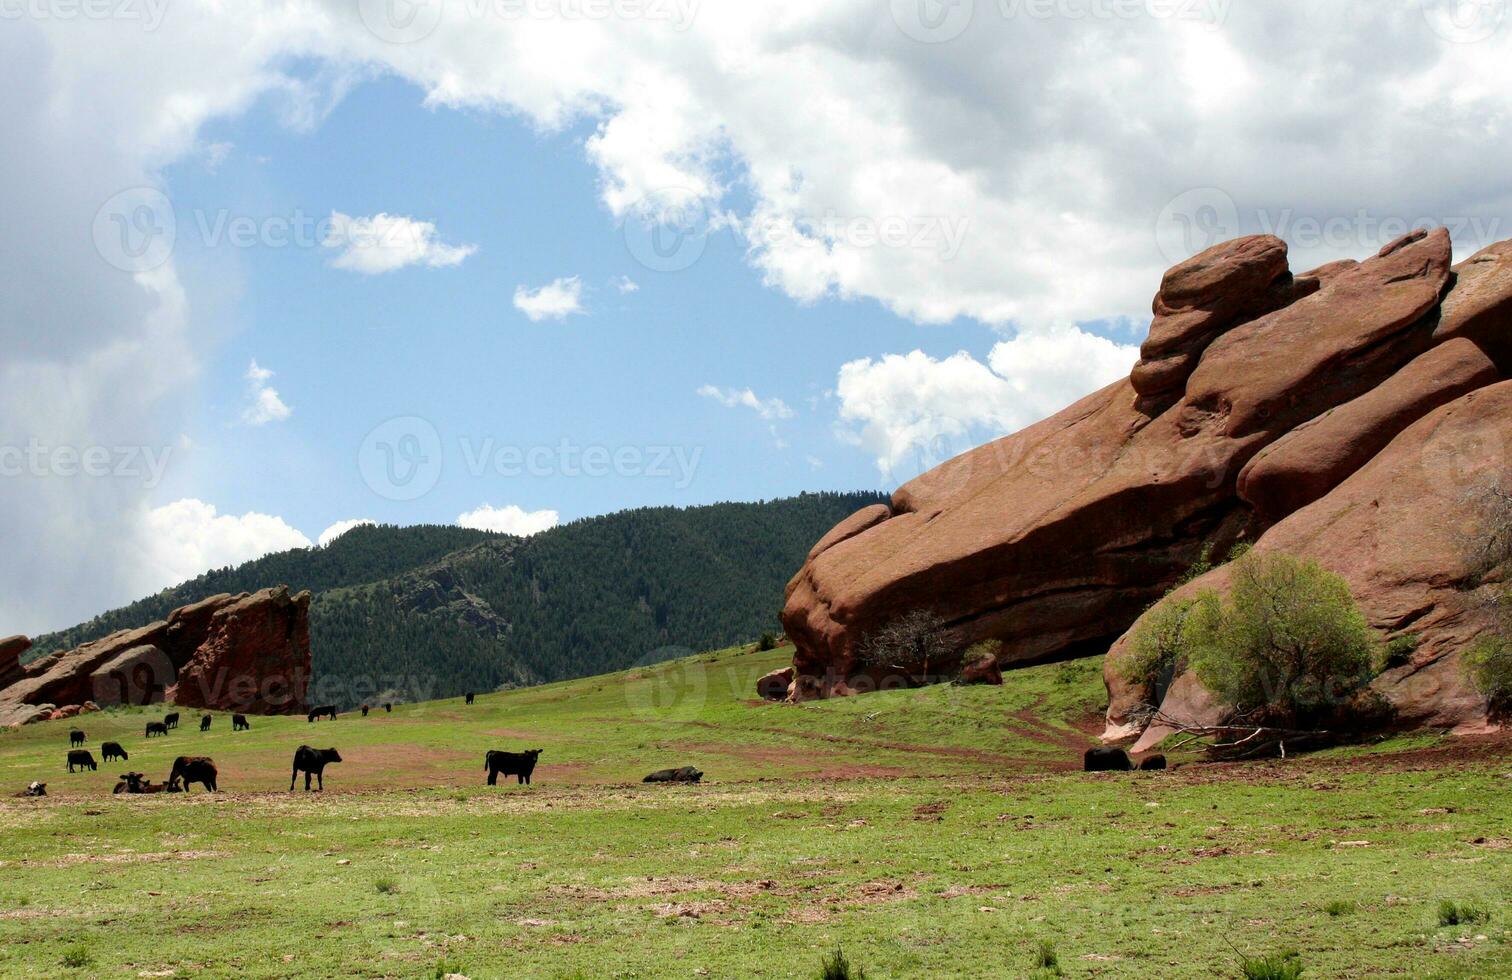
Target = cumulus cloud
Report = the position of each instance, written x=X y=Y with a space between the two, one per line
x=626 y=285
x=265 y=405
x=386 y=242
x=180 y=540
x=556 y=300
x=509 y=519
x=339 y=528
x=912 y=411
x=767 y=408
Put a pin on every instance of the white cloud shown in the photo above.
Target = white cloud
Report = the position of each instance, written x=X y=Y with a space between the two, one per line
x=339 y=528
x=767 y=408
x=556 y=300
x=180 y=540
x=265 y=404
x=509 y=519
x=386 y=242
x=912 y=412
x=626 y=285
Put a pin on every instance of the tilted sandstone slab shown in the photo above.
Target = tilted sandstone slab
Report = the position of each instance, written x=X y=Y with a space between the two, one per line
x=1401 y=532
x=141 y=666
x=1054 y=539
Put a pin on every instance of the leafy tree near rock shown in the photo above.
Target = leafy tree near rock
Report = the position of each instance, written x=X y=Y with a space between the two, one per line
x=1287 y=645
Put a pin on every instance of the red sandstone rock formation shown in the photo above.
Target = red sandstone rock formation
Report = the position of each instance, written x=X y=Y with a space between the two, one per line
x=247 y=653
x=1258 y=393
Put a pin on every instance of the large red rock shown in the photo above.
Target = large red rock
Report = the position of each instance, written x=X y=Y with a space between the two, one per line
x=142 y=666
x=1398 y=531
x=1053 y=540
x=255 y=656
x=11 y=649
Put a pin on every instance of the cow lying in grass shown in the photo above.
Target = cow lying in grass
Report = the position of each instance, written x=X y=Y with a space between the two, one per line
x=111 y=751
x=137 y=782
x=312 y=762
x=34 y=788
x=686 y=774
x=517 y=764
x=82 y=759
x=1106 y=760
x=193 y=769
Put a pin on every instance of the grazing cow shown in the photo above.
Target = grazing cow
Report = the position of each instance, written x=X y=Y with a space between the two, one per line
x=1106 y=760
x=82 y=759
x=387 y=707
x=239 y=723
x=193 y=769
x=170 y=720
x=33 y=788
x=156 y=728
x=112 y=751
x=312 y=762
x=324 y=711
x=75 y=737
x=687 y=774
x=205 y=723
x=517 y=764
x=470 y=695
x=1152 y=762
x=364 y=711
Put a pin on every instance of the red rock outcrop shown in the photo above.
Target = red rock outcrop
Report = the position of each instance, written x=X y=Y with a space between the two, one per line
x=247 y=653
x=1054 y=539
x=11 y=649
x=1399 y=531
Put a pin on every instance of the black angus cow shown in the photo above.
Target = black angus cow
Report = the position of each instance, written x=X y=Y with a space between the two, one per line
x=312 y=762
x=156 y=728
x=387 y=707
x=324 y=711
x=112 y=751
x=82 y=759
x=686 y=774
x=364 y=711
x=137 y=782
x=170 y=720
x=1151 y=763
x=193 y=769
x=33 y=788
x=517 y=764
x=469 y=696
x=239 y=723
x=75 y=737
x=1106 y=760
x=205 y=723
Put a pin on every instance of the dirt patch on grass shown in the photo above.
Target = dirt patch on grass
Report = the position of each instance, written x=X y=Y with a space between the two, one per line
x=70 y=860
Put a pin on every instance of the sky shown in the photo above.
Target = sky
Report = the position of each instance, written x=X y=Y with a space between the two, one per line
x=272 y=269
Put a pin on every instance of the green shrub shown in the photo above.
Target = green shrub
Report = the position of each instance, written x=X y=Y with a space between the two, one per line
x=1045 y=958
x=1288 y=640
x=386 y=886
x=1396 y=652
x=837 y=967
x=1489 y=664
x=1277 y=966
x=1339 y=907
x=1156 y=647
x=1452 y=913
x=768 y=641
x=77 y=957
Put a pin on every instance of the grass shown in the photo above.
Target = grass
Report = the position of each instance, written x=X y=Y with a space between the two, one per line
x=1452 y=913
x=1277 y=966
x=935 y=832
x=1339 y=907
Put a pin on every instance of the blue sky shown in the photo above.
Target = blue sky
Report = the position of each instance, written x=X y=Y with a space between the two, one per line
x=349 y=350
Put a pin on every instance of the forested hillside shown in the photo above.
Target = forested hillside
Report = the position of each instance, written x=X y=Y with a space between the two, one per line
x=422 y=612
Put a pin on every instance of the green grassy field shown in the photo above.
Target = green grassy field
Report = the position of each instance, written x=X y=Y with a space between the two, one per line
x=936 y=832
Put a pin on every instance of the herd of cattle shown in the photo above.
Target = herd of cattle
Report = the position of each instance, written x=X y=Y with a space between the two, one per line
x=188 y=770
